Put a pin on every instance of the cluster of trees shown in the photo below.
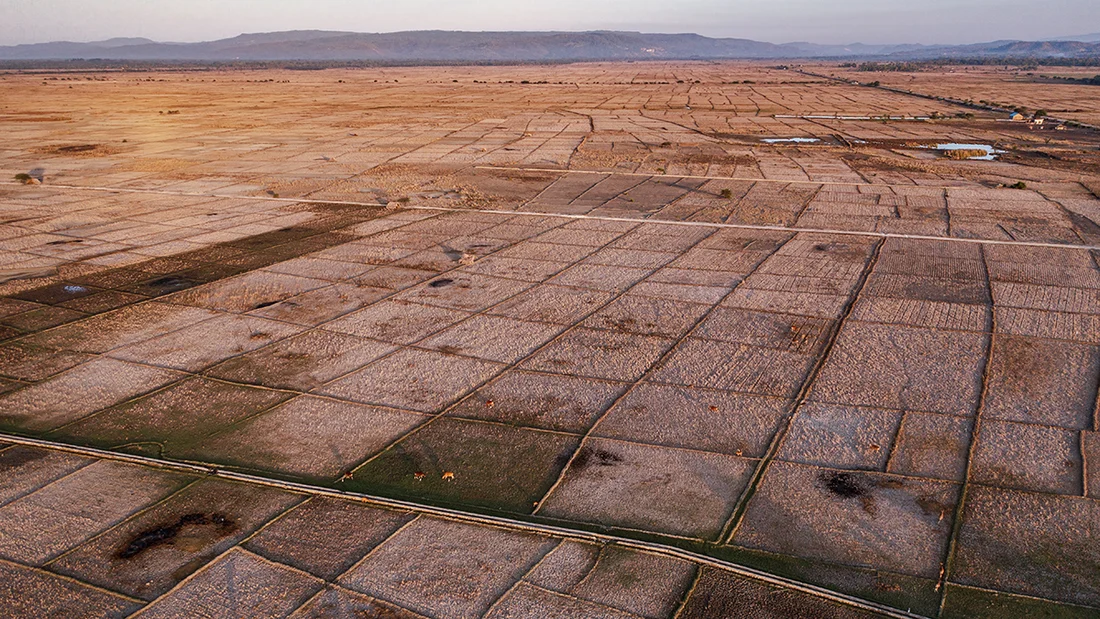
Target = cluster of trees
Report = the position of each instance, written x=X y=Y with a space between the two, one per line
x=1024 y=64
x=1017 y=61
x=895 y=67
x=1094 y=81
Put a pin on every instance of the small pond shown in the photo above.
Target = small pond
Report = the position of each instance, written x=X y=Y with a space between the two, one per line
x=990 y=152
x=790 y=140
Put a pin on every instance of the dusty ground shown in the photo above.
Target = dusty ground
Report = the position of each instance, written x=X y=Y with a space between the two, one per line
x=596 y=301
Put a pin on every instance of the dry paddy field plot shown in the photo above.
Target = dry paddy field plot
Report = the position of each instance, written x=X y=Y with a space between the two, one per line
x=568 y=341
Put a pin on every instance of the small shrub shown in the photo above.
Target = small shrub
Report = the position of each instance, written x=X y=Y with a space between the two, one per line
x=727 y=194
x=1019 y=185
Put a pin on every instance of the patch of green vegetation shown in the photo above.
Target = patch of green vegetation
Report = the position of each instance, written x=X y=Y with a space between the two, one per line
x=148 y=450
x=497 y=467
x=919 y=595
x=23 y=178
x=1019 y=185
x=174 y=418
x=967 y=603
x=727 y=194
x=617 y=560
x=1091 y=81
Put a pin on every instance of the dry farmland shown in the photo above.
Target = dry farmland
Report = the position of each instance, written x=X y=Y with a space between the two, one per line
x=594 y=340
x=1035 y=88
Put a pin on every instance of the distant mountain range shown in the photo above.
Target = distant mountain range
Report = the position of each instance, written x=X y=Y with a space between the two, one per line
x=1084 y=38
x=446 y=46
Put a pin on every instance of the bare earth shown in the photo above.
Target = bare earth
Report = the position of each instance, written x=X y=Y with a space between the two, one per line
x=435 y=342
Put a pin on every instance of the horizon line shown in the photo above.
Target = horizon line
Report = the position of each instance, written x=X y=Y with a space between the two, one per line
x=1067 y=39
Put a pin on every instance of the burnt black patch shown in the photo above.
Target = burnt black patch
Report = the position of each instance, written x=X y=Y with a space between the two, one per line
x=166 y=535
x=606 y=458
x=583 y=457
x=842 y=251
x=587 y=457
x=77 y=148
x=933 y=506
x=845 y=485
x=441 y=283
x=167 y=285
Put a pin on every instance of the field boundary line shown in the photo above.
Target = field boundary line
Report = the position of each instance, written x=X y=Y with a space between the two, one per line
x=637 y=220
x=495 y=521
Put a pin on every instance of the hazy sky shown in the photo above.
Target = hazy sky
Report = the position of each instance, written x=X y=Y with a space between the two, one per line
x=778 y=21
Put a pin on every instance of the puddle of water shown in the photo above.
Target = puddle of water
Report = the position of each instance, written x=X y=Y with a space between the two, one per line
x=991 y=153
x=790 y=140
